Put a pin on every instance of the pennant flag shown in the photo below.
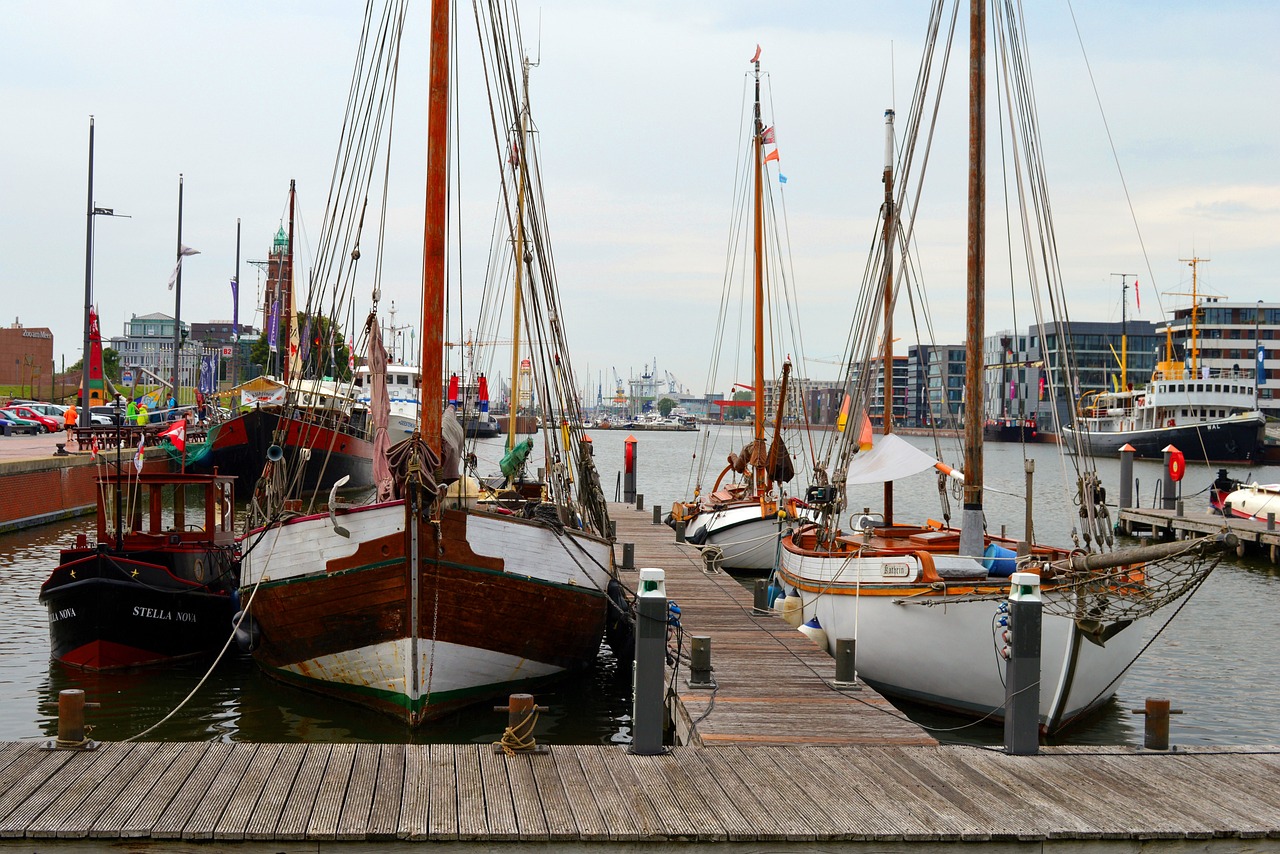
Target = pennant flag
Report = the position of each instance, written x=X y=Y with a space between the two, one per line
x=1261 y=376
x=772 y=155
x=756 y=58
x=183 y=252
x=141 y=453
x=864 y=435
x=1042 y=386
x=176 y=433
x=273 y=325
x=1137 y=296
x=514 y=159
x=782 y=179
x=93 y=446
x=766 y=136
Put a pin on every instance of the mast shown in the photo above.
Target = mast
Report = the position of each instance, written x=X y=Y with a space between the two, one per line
x=521 y=176
x=890 y=225
x=1124 y=328
x=433 y=239
x=84 y=416
x=971 y=533
x=758 y=468
x=1194 y=263
x=286 y=297
x=235 y=313
x=177 y=304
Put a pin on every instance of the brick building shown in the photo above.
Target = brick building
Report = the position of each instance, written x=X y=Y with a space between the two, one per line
x=26 y=359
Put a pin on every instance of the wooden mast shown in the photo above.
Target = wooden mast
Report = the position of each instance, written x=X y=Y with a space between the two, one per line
x=758 y=467
x=890 y=225
x=1194 y=262
x=286 y=298
x=971 y=533
x=513 y=406
x=433 y=241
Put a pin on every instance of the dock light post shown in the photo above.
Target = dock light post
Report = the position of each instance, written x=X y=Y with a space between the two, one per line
x=1022 y=666
x=648 y=675
x=629 y=469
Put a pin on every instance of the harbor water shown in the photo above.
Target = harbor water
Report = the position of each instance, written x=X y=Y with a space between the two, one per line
x=1199 y=661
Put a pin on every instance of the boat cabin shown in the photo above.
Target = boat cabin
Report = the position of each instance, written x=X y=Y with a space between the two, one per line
x=167 y=509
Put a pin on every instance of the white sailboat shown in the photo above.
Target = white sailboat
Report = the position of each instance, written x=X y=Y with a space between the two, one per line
x=924 y=601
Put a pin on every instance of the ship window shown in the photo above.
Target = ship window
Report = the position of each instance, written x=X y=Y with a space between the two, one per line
x=1217 y=386
x=1181 y=387
x=403 y=379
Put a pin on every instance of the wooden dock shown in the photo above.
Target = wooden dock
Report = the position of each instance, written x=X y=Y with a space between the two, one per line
x=774 y=759
x=774 y=685
x=1255 y=538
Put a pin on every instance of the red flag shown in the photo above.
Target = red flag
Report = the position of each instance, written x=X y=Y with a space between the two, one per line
x=176 y=433
x=756 y=58
x=766 y=136
x=772 y=155
x=1137 y=296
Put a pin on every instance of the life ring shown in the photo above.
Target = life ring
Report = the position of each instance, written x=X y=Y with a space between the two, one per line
x=1171 y=423
x=1177 y=465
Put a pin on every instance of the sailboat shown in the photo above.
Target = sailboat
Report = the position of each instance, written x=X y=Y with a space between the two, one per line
x=924 y=601
x=1209 y=414
x=738 y=522
x=417 y=604
x=323 y=428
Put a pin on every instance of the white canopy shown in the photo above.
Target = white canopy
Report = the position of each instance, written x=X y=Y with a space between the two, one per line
x=890 y=458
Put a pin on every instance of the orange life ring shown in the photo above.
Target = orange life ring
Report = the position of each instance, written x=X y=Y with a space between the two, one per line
x=1171 y=423
x=1177 y=465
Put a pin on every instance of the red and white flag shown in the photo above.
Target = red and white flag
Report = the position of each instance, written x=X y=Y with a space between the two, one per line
x=1137 y=296
x=176 y=433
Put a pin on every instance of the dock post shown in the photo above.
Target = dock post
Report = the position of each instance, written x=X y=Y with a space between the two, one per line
x=1170 y=495
x=629 y=470
x=613 y=530
x=760 y=597
x=522 y=717
x=1271 y=521
x=700 y=663
x=1022 y=666
x=680 y=525
x=1155 y=732
x=649 y=673
x=657 y=514
x=1126 y=476
x=628 y=555
x=639 y=500
x=846 y=664
x=1028 y=529
x=71 y=728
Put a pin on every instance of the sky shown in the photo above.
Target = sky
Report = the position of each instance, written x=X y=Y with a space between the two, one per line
x=638 y=107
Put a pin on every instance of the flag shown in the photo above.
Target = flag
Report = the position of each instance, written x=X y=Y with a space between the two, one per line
x=183 y=252
x=1042 y=386
x=141 y=453
x=235 y=309
x=273 y=325
x=782 y=179
x=514 y=159
x=1137 y=296
x=772 y=155
x=351 y=354
x=93 y=446
x=176 y=433
x=756 y=58
x=1261 y=376
x=766 y=136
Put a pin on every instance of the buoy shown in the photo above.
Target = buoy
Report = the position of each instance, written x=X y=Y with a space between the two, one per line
x=813 y=631
x=246 y=631
x=463 y=492
x=792 y=609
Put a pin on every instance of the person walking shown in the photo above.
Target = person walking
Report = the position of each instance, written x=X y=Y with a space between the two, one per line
x=131 y=413
x=142 y=415
x=69 y=422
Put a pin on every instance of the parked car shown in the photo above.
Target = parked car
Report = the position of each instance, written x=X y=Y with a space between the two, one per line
x=47 y=424
x=16 y=424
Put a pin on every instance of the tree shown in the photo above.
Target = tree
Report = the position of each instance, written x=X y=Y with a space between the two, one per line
x=324 y=356
x=665 y=406
x=739 y=413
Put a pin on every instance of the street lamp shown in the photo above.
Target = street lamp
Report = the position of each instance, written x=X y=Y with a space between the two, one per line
x=93 y=211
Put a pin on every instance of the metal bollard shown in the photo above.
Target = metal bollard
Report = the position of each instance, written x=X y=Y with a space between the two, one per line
x=613 y=530
x=1179 y=509
x=628 y=555
x=700 y=663
x=71 y=727
x=657 y=514
x=1271 y=521
x=1022 y=667
x=1155 y=732
x=1126 y=476
x=639 y=500
x=522 y=717
x=680 y=524
x=846 y=664
x=760 y=597
x=648 y=714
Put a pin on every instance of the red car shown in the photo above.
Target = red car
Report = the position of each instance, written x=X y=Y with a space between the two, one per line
x=50 y=425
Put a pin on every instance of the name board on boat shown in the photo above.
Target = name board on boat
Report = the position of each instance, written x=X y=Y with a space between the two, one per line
x=896 y=570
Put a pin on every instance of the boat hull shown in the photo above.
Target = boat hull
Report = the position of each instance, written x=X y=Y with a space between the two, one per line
x=748 y=541
x=1010 y=431
x=496 y=604
x=1229 y=441
x=110 y=611
x=1254 y=501
x=948 y=656
x=238 y=447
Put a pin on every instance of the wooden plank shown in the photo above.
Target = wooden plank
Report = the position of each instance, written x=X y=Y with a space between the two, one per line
x=234 y=821
x=670 y=816
x=768 y=768
x=769 y=817
x=276 y=790
x=531 y=818
x=571 y=782
x=620 y=816
x=141 y=789
x=187 y=792
x=553 y=794
x=353 y=819
x=696 y=784
x=442 y=818
x=75 y=812
x=499 y=808
x=331 y=792
x=414 y=803
x=72 y=780
x=27 y=774
x=389 y=788
x=296 y=815
x=209 y=808
x=472 y=823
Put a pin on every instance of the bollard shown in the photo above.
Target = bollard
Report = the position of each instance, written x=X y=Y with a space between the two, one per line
x=613 y=530
x=760 y=597
x=1028 y=529
x=1126 y=476
x=1022 y=666
x=629 y=469
x=657 y=514
x=700 y=663
x=522 y=717
x=649 y=668
x=1170 y=493
x=680 y=523
x=1178 y=511
x=846 y=664
x=72 y=732
x=1271 y=521
x=639 y=501
x=1155 y=732
x=628 y=555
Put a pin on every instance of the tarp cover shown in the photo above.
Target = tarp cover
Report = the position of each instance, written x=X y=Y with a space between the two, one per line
x=891 y=458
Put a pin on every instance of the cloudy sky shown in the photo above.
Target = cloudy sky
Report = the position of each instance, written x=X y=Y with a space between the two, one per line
x=638 y=106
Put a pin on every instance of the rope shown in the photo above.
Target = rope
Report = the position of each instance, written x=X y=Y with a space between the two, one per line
x=519 y=738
